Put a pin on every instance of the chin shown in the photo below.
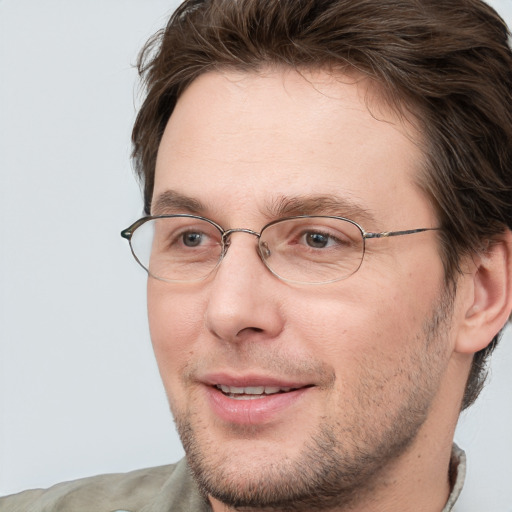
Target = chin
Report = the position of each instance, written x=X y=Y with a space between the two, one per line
x=321 y=473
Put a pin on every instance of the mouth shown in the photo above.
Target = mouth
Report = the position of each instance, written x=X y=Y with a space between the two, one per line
x=253 y=392
x=254 y=399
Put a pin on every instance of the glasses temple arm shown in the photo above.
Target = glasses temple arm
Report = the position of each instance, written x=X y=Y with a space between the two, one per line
x=386 y=234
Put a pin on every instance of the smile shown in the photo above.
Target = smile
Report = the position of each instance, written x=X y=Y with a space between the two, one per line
x=254 y=398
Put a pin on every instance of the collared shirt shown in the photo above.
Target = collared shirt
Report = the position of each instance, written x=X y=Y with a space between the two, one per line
x=457 y=476
x=161 y=489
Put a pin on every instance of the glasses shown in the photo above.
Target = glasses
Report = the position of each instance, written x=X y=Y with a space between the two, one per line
x=304 y=249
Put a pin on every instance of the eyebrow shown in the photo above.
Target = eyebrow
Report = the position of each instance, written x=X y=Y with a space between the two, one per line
x=320 y=205
x=170 y=202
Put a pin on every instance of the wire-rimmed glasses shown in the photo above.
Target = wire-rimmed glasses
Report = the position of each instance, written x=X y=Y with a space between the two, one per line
x=303 y=249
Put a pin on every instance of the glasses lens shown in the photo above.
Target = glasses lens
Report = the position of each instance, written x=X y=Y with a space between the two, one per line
x=312 y=249
x=181 y=248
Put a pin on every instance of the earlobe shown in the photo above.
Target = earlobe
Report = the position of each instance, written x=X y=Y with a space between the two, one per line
x=489 y=295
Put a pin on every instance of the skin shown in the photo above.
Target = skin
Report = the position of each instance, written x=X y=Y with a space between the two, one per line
x=373 y=428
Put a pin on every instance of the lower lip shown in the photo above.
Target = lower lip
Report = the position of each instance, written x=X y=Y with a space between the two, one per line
x=251 y=411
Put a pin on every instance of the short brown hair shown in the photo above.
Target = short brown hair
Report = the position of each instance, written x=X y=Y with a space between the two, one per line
x=449 y=62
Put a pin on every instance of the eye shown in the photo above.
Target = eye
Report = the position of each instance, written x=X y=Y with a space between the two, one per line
x=323 y=240
x=311 y=238
x=317 y=240
x=183 y=234
x=192 y=239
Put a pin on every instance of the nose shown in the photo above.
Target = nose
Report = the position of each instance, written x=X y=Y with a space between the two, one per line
x=243 y=301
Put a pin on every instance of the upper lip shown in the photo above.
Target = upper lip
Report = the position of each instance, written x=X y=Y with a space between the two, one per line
x=243 y=381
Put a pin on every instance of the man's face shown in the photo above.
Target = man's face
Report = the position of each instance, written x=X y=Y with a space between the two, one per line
x=357 y=363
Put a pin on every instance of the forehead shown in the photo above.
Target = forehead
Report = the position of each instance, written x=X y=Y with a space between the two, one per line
x=248 y=139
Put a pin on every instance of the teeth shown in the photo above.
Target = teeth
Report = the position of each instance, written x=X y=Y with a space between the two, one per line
x=251 y=390
x=256 y=390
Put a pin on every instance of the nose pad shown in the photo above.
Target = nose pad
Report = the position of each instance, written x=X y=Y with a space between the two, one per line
x=226 y=242
x=264 y=250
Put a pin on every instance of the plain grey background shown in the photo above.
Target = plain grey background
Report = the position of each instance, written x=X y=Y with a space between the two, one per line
x=79 y=389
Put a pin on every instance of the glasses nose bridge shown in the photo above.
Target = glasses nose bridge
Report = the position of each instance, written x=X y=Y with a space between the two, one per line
x=226 y=241
x=226 y=234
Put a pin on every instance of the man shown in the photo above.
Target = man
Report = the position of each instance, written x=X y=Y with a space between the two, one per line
x=328 y=192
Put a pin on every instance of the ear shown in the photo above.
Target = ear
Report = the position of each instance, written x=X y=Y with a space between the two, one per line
x=487 y=295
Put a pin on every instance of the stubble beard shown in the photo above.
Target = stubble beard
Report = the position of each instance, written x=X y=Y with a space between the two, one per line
x=339 y=466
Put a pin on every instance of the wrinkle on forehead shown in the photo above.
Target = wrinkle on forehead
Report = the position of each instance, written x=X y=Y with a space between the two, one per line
x=381 y=103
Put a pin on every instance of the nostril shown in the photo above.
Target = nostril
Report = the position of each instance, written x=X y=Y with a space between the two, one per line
x=249 y=329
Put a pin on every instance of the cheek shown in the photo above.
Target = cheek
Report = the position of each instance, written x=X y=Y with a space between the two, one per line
x=175 y=322
x=350 y=328
x=378 y=351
